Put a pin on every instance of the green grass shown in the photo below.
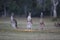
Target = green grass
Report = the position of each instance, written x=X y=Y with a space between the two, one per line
x=22 y=24
x=8 y=33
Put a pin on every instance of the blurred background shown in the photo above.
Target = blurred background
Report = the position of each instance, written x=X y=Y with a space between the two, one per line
x=21 y=8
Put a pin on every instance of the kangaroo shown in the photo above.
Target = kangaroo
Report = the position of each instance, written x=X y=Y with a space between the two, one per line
x=29 y=21
x=14 y=23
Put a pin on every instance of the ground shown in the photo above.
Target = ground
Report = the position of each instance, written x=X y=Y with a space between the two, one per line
x=50 y=32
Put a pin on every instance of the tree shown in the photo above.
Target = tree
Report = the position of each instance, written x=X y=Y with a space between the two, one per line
x=55 y=3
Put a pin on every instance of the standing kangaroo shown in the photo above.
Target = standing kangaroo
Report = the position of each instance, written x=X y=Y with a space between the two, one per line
x=29 y=21
x=13 y=22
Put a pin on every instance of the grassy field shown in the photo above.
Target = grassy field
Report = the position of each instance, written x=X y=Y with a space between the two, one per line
x=50 y=32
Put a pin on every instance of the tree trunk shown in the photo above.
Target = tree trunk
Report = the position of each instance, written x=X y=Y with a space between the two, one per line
x=51 y=11
x=54 y=13
x=5 y=14
x=54 y=10
x=25 y=10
